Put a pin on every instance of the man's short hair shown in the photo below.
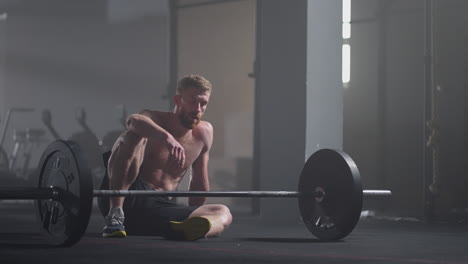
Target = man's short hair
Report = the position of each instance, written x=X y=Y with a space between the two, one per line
x=193 y=81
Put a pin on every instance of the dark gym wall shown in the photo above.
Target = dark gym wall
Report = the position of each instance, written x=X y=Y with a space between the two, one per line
x=94 y=54
x=453 y=72
x=384 y=102
x=403 y=114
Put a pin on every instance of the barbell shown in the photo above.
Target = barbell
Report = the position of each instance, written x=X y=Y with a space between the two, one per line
x=329 y=194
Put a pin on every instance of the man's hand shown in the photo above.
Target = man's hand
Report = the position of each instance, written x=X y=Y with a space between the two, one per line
x=176 y=153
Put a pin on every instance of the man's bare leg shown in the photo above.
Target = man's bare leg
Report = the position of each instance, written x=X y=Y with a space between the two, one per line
x=123 y=168
x=219 y=216
x=124 y=165
x=114 y=226
x=122 y=181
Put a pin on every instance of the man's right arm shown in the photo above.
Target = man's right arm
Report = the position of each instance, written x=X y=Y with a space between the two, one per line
x=142 y=125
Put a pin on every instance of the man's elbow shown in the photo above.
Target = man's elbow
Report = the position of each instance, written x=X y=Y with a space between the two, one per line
x=133 y=122
x=130 y=121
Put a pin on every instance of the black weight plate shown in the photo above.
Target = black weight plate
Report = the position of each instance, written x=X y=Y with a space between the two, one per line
x=64 y=220
x=333 y=216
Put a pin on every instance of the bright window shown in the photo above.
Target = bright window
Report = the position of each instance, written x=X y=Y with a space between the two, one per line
x=346 y=59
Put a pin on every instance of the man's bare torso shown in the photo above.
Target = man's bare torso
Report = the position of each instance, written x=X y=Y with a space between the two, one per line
x=150 y=156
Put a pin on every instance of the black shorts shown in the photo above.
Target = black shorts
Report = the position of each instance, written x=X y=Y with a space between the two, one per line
x=146 y=215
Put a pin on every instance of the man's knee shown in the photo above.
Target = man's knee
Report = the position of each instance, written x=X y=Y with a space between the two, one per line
x=224 y=212
x=219 y=210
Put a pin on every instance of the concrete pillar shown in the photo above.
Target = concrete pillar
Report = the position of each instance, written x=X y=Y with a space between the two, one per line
x=298 y=93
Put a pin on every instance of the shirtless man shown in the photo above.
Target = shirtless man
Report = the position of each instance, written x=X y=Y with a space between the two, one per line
x=154 y=153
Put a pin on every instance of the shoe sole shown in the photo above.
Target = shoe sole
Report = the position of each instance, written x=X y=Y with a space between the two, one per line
x=193 y=228
x=115 y=234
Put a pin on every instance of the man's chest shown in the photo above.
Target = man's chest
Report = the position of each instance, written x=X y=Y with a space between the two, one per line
x=159 y=151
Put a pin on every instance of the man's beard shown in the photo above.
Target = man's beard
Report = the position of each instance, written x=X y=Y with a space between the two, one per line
x=189 y=121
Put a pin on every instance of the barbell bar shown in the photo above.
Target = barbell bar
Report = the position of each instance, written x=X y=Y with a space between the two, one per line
x=248 y=194
x=54 y=193
x=329 y=194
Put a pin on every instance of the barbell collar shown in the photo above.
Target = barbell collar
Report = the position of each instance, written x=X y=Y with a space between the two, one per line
x=376 y=194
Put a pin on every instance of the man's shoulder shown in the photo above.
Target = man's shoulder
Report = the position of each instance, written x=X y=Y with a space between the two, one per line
x=204 y=127
x=204 y=131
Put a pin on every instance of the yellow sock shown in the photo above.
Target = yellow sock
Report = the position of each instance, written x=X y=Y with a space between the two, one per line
x=193 y=228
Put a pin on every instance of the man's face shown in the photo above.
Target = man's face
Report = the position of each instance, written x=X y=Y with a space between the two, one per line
x=191 y=106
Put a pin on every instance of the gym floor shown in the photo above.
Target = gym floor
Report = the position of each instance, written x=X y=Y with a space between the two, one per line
x=247 y=241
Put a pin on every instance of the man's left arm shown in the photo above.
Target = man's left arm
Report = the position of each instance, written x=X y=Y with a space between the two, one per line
x=200 y=180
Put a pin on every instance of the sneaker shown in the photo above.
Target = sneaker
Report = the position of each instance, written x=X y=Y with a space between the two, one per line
x=191 y=229
x=114 y=224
